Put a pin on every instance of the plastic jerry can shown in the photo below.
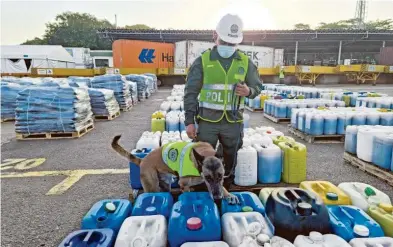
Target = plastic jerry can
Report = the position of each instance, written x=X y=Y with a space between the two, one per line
x=295 y=211
x=135 y=171
x=382 y=150
x=265 y=193
x=363 y=195
x=246 y=173
x=290 y=106
x=205 y=244
x=278 y=139
x=95 y=238
x=351 y=222
x=351 y=134
x=301 y=120
x=278 y=242
x=314 y=124
x=365 y=142
x=269 y=163
x=372 y=242
x=249 y=202
x=347 y=100
x=256 y=103
x=383 y=218
x=143 y=231
x=152 y=204
x=359 y=119
x=294 y=118
x=372 y=118
x=246 y=120
x=316 y=239
x=237 y=226
x=107 y=214
x=267 y=107
x=262 y=99
x=194 y=218
x=158 y=124
x=328 y=192
x=330 y=124
x=281 y=110
x=294 y=162
x=386 y=119
x=343 y=120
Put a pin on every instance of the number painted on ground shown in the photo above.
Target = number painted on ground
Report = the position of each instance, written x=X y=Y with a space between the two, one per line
x=21 y=164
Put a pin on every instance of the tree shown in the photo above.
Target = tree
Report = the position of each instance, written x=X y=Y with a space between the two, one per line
x=138 y=27
x=380 y=24
x=353 y=24
x=301 y=26
x=35 y=41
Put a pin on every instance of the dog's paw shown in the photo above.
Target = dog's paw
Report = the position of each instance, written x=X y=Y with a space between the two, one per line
x=232 y=199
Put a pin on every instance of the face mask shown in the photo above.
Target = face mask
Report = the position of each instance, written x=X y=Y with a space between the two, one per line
x=226 y=51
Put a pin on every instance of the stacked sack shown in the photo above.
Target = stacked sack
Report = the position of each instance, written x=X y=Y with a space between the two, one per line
x=152 y=82
x=9 y=93
x=75 y=81
x=54 y=109
x=118 y=84
x=142 y=85
x=133 y=92
x=267 y=156
x=103 y=102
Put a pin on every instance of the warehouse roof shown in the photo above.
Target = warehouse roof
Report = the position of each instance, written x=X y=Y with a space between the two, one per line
x=51 y=52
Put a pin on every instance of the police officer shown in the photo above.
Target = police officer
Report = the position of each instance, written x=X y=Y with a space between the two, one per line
x=217 y=83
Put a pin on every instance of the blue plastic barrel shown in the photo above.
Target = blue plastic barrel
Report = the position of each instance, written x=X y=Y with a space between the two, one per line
x=281 y=110
x=248 y=202
x=135 y=172
x=346 y=221
x=382 y=150
x=90 y=238
x=359 y=119
x=194 y=218
x=330 y=124
x=153 y=204
x=314 y=124
x=107 y=214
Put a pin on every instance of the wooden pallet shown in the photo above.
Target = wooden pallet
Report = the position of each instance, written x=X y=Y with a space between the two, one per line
x=109 y=118
x=254 y=109
x=126 y=108
x=57 y=135
x=318 y=138
x=277 y=120
x=370 y=168
x=7 y=120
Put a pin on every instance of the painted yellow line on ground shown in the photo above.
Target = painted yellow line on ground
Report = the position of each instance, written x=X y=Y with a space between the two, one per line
x=73 y=176
x=21 y=164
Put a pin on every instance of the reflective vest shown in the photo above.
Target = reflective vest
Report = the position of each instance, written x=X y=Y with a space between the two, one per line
x=282 y=74
x=216 y=92
x=176 y=155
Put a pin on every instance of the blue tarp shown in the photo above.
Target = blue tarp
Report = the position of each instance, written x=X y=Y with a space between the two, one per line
x=9 y=92
x=52 y=109
x=116 y=83
x=76 y=81
x=103 y=102
x=142 y=85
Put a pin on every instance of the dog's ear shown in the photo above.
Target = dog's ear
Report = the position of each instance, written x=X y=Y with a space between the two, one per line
x=198 y=158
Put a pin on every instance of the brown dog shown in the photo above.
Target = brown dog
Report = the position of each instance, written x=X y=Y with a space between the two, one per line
x=155 y=172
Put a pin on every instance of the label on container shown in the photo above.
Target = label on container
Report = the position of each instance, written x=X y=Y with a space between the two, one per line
x=371 y=68
x=49 y=71
x=306 y=69
x=390 y=68
x=41 y=71
x=179 y=71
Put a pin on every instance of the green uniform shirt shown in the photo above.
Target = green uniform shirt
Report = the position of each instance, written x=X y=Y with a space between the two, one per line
x=177 y=156
x=195 y=82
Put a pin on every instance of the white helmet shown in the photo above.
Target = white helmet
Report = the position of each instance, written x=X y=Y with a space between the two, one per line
x=230 y=29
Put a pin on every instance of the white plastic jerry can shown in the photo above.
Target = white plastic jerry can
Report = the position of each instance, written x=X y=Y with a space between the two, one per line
x=363 y=195
x=316 y=239
x=279 y=242
x=372 y=242
x=246 y=168
x=236 y=227
x=143 y=231
x=205 y=244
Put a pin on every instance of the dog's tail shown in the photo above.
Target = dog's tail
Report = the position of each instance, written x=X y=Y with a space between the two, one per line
x=120 y=150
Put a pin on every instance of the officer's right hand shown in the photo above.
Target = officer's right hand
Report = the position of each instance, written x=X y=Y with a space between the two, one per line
x=191 y=131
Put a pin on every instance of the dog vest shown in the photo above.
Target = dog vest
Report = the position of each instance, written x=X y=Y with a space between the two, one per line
x=176 y=155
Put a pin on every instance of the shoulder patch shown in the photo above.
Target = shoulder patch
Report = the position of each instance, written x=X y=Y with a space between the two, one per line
x=172 y=154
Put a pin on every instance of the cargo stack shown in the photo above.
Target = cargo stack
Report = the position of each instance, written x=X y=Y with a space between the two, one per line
x=9 y=93
x=103 y=103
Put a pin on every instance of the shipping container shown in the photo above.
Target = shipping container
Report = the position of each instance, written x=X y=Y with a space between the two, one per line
x=386 y=56
x=142 y=54
x=187 y=51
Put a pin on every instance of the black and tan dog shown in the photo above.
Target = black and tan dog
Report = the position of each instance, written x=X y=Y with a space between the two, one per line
x=154 y=171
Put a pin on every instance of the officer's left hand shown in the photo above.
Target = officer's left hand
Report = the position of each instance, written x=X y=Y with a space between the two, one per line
x=242 y=90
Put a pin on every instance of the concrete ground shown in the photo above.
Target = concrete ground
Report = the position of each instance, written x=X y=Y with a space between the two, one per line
x=62 y=179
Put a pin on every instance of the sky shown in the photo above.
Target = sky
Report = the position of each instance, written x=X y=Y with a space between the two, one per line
x=22 y=20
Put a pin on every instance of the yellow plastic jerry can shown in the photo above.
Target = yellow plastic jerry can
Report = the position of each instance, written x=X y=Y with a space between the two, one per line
x=383 y=218
x=263 y=98
x=328 y=192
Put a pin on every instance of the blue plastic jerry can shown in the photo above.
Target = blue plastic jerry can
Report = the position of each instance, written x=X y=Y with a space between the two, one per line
x=248 y=202
x=135 y=171
x=90 y=238
x=153 y=204
x=107 y=214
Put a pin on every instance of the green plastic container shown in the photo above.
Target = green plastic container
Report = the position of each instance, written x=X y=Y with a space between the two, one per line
x=383 y=218
x=294 y=162
x=347 y=100
x=157 y=124
x=278 y=139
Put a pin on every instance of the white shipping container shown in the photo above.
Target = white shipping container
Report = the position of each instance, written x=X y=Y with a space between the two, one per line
x=187 y=51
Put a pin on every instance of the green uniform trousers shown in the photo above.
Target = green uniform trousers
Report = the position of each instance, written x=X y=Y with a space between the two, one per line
x=230 y=136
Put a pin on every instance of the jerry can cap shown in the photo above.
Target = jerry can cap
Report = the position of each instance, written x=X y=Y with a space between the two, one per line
x=247 y=209
x=369 y=191
x=304 y=208
x=332 y=196
x=361 y=231
x=139 y=241
x=194 y=223
x=316 y=236
x=151 y=209
x=110 y=207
